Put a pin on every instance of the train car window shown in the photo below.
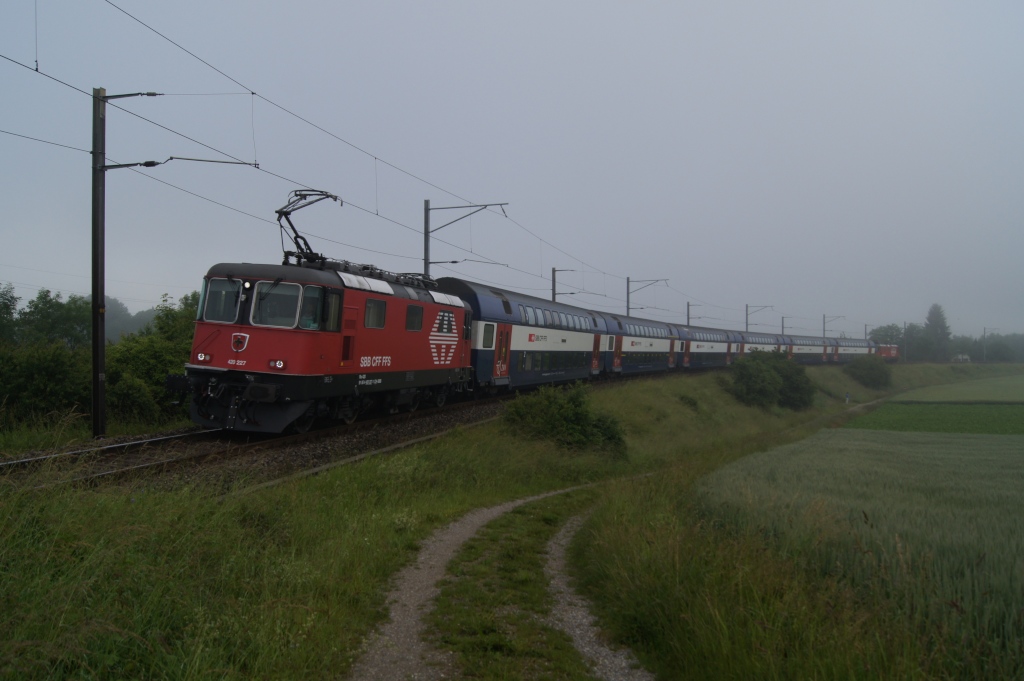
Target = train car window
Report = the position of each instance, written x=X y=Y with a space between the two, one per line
x=594 y=319
x=276 y=304
x=488 y=336
x=376 y=312
x=312 y=307
x=547 y=318
x=530 y=318
x=565 y=322
x=222 y=299
x=611 y=343
x=332 y=310
x=522 y=314
x=414 y=318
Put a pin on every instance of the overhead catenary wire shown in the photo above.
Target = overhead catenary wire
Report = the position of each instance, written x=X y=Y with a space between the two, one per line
x=377 y=160
x=345 y=141
x=307 y=186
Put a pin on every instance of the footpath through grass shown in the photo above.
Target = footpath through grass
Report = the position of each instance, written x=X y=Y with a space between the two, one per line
x=141 y=582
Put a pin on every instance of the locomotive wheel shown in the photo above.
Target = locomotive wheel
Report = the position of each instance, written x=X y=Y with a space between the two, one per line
x=302 y=424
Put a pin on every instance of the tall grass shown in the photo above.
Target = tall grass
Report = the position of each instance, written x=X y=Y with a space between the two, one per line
x=284 y=582
x=697 y=597
x=927 y=524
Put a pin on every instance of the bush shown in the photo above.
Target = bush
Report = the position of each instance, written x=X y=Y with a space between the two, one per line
x=42 y=378
x=565 y=416
x=766 y=379
x=131 y=401
x=755 y=383
x=871 y=371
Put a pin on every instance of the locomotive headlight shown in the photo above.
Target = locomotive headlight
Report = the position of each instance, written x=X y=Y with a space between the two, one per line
x=204 y=357
x=277 y=364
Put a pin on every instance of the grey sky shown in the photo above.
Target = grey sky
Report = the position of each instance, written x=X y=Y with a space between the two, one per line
x=860 y=160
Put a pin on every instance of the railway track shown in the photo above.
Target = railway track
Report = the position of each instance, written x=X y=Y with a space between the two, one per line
x=202 y=455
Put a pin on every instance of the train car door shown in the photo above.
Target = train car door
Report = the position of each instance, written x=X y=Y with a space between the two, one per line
x=672 y=354
x=617 y=358
x=502 y=343
x=686 y=353
x=595 y=360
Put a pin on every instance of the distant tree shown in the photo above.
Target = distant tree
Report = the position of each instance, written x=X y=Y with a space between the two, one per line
x=890 y=334
x=118 y=320
x=47 y=318
x=999 y=351
x=937 y=330
x=8 y=312
x=962 y=345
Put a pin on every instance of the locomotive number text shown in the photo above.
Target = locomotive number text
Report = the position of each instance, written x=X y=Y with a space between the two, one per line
x=375 y=361
x=237 y=362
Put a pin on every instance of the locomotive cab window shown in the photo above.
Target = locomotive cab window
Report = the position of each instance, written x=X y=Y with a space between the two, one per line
x=414 y=318
x=222 y=300
x=276 y=304
x=376 y=310
x=312 y=306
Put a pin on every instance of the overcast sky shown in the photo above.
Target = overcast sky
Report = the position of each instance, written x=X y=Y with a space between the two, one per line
x=855 y=160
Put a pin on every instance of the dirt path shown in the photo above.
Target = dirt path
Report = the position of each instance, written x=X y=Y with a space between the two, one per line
x=397 y=652
x=570 y=612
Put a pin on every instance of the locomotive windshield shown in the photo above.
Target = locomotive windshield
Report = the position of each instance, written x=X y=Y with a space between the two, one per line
x=222 y=299
x=276 y=304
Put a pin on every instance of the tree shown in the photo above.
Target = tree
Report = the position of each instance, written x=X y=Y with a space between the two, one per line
x=890 y=334
x=937 y=330
x=8 y=312
x=47 y=319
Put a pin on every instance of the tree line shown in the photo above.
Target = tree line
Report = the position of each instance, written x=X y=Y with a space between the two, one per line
x=46 y=358
x=933 y=341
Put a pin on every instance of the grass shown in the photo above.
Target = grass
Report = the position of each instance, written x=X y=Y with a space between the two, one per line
x=930 y=522
x=994 y=419
x=1008 y=389
x=695 y=602
x=286 y=582
x=492 y=607
x=68 y=429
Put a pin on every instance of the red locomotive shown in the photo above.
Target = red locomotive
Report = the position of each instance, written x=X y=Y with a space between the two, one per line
x=279 y=345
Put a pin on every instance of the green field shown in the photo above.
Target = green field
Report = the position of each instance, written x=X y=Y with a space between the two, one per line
x=991 y=419
x=930 y=520
x=1005 y=389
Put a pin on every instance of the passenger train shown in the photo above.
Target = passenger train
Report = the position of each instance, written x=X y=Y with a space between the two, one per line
x=278 y=346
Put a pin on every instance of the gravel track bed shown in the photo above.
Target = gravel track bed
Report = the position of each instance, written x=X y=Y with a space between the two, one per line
x=272 y=462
